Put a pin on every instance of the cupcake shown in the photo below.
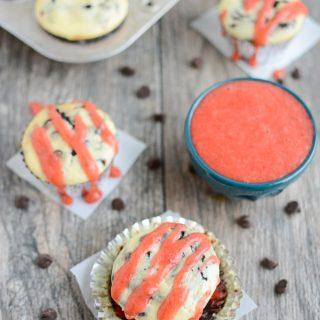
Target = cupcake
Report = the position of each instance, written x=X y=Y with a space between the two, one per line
x=69 y=146
x=261 y=23
x=77 y=20
x=165 y=269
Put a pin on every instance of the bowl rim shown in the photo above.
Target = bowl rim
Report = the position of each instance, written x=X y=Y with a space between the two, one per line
x=231 y=182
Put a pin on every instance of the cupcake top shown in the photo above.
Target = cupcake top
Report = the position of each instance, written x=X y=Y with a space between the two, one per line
x=166 y=272
x=76 y=20
x=69 y=144
x=262 y=21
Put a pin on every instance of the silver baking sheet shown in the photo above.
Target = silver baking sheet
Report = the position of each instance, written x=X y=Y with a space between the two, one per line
x=17 y=17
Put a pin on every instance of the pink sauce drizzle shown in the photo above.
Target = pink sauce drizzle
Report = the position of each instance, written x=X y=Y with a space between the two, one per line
x=36 y=107
x=165 y=260
x=50 y=162
x=115 y=172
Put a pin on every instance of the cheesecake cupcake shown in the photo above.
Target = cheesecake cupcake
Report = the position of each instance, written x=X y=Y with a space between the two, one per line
x=261 y=23
x=77 y=20
x=69 y=146
x=165 y=269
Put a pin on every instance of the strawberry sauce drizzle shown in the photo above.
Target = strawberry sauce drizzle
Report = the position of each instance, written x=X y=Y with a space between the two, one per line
x=36 y=107
x=167 y=258
x=50 y=162
x=115 y=172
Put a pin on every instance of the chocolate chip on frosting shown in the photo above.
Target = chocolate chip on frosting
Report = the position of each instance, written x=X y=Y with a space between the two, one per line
x=196 y=63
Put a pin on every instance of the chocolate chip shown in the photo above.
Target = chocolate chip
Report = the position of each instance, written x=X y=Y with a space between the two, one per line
x=268 y=264
x=244 y=222
x=191 y=169
x=88 y=6
x=73 y=153
x=21 y=202
x=43 y=261
x=281 y=287
x=295 y=74
x=196 y=63
x=127 y=71
x=280 y=81
x=143 y=92
x=48 y=314
x=154 y=164
x=159 y=117
x=292 y=207
x=118 y=204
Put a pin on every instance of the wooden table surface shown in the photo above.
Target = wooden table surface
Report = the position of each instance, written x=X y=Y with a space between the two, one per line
x=161 y=58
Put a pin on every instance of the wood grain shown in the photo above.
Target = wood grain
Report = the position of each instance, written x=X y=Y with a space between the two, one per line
x=161 y=58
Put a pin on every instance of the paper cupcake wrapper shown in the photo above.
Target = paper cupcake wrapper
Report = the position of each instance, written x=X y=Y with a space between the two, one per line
x=101 y=272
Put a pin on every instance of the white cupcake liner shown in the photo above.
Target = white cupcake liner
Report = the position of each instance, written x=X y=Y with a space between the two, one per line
x=101 y=272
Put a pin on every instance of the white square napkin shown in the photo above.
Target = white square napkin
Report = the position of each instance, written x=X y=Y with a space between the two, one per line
x=271 y=58
x=129 y=150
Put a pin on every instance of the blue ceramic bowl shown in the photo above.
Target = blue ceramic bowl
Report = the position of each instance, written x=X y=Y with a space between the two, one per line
x=241 y=190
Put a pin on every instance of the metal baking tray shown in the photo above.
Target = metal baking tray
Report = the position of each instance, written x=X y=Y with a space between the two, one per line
x=17 y=17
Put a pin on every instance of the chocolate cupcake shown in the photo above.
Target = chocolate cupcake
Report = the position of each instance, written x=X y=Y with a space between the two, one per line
x=165 y=268
x=70 y=145
x=256 y=24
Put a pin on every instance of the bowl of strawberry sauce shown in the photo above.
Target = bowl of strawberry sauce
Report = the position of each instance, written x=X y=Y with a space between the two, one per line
x=250 y=138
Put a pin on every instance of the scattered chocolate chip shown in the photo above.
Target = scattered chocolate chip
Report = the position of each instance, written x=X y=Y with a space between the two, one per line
x=88 y=6
x=281 y=287
x=154 y=164
x=48 y=314
x=292 y=207
x=73 y=153
x=196 y=63
x=43 y=261
x=191 y=169
x=118 y=204
x=143 y=92
x=21 y=202
x=159 y=117
x=295 y=74
x=127 y=71
x=268 y=264
x=244 y=222
x=280 y=81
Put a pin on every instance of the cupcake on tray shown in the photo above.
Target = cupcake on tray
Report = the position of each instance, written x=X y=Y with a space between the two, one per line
x=255 y=24
x=70 y=146
x=77 y=20
x=165 y=269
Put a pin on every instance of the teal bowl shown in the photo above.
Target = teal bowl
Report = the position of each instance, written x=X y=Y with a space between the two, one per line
x=242 y=190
